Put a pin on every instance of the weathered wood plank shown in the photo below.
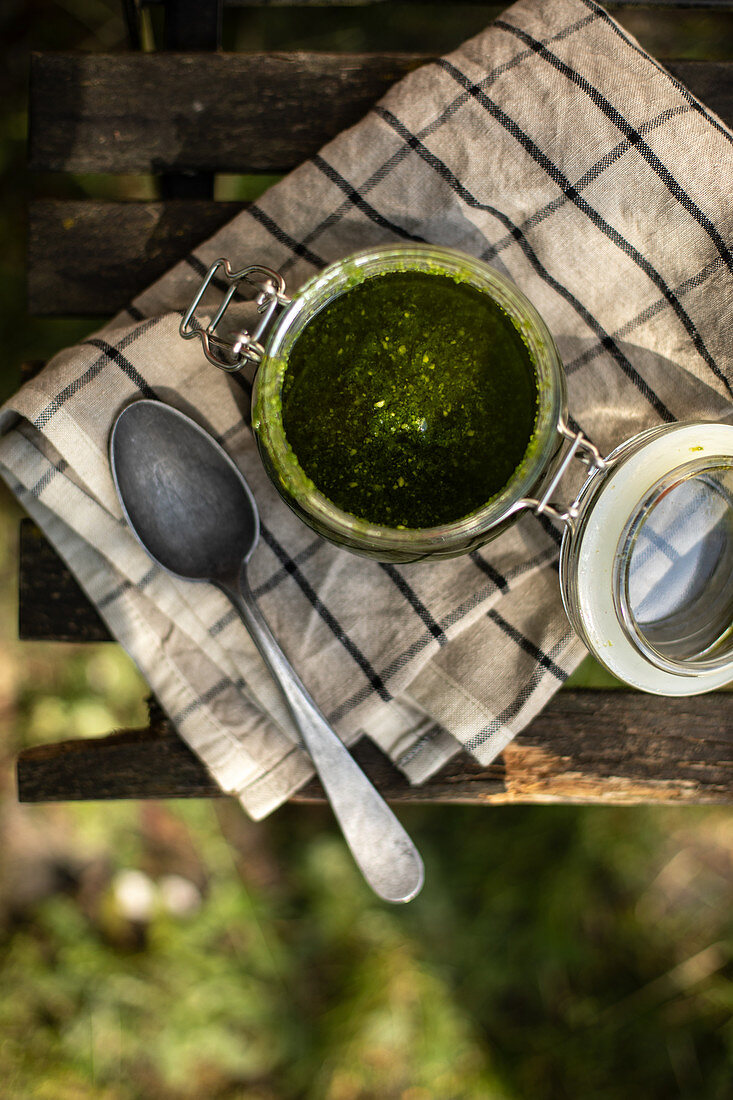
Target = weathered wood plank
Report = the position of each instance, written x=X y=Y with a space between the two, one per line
x=51 y=605
x=198 y=112
x=92 y=257
x=604 y=747
x=227 y=112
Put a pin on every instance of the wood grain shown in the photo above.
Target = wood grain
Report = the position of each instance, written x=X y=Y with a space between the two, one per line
x=586 y=746
x=91 y=257
x=51 y=605
x=198 y=112
x=227 y=112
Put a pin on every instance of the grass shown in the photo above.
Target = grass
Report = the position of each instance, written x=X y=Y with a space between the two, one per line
x=176 y=950
x=556 y=951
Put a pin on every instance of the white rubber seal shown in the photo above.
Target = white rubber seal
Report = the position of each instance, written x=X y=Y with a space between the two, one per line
x=595 y=554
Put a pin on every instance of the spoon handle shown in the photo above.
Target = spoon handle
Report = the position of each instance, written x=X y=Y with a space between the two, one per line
x=386 y=856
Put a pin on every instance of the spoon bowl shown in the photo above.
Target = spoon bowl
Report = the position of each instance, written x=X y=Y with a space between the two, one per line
x=193 y=512
x=182 y=495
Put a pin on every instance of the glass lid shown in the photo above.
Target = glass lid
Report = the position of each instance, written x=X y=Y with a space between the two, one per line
x=675 y=567
x=647 y=567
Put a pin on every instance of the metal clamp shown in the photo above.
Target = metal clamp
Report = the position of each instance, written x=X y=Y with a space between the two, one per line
x=587 y=453
x=231 y=355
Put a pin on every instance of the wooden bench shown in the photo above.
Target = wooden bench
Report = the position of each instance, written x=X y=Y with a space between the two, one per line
x=264 y=113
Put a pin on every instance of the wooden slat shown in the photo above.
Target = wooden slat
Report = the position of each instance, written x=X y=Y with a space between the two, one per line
x=227 y=112
x=51 y=605
x=134 y=243
x=586 y=746
x=198 y=112
x=88 y=257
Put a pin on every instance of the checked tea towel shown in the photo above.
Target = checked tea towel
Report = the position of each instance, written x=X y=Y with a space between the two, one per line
x=550 y=146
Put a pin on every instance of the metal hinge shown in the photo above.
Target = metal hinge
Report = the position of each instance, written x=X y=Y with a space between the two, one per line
x=245 y=347
x=587 y=453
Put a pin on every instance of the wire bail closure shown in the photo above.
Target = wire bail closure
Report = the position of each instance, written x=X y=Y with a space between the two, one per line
x=231 y=355
x=587 y=453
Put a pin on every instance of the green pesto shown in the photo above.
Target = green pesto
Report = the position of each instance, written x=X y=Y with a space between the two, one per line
x=410 y=400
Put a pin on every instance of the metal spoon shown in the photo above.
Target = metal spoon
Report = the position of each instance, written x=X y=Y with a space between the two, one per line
x=195 y=515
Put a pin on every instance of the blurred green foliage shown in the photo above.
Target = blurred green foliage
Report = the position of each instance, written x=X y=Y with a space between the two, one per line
x=179 y=951
x=555 y=952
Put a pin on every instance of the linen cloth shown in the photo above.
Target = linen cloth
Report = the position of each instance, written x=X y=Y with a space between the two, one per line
x=550 y=146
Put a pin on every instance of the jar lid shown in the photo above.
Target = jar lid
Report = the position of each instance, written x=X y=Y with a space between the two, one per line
x=646 y=568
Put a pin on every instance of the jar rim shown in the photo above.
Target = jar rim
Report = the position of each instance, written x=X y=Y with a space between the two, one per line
x=330 y=283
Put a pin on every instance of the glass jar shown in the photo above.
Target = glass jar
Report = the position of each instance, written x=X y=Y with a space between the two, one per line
x=646 y=562
x=357 y=534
